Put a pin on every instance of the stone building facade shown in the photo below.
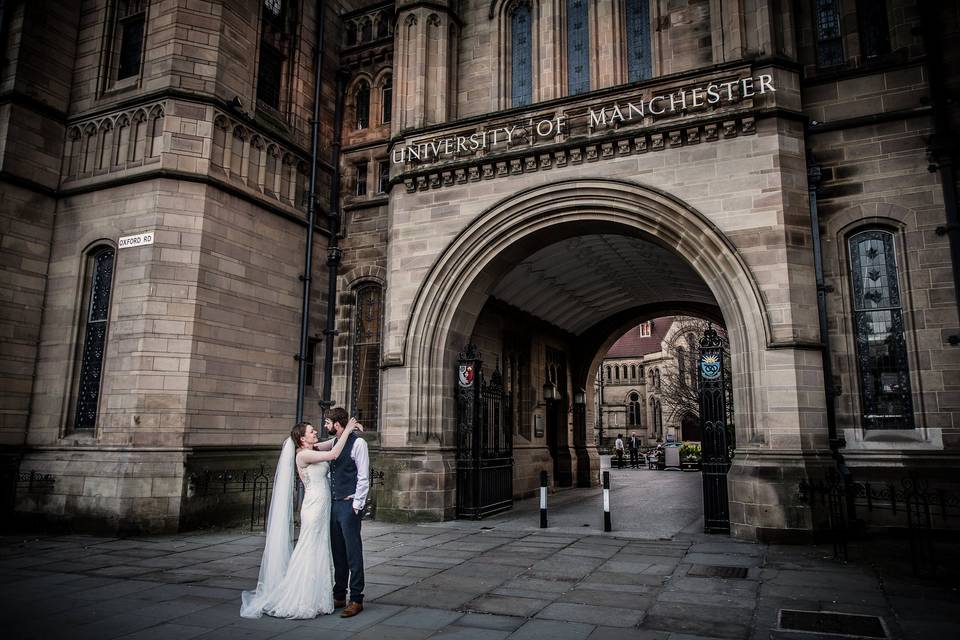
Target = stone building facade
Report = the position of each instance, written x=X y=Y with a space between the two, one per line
x=531 y=176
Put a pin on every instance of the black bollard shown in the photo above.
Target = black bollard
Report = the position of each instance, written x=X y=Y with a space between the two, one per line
x=543 y=499
x=606 y=502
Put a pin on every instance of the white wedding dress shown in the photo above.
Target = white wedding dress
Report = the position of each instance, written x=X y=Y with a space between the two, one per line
x=304 y=588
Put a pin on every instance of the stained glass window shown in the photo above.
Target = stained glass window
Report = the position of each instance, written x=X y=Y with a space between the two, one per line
x=874 y=29
x=639 y=58
x=829 y=34
x=521 y=53
x=97 y=297
x=879 y=333
x=578 y=47
x=366 y=355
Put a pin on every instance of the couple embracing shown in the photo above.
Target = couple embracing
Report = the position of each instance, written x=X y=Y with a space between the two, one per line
x=311 y=578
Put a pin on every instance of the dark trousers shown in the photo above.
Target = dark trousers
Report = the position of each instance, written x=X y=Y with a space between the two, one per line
x=620 y=458
x=634 y=458
x=347 y=550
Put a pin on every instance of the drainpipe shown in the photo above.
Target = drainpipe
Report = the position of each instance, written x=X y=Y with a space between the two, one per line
x=307 y=276
x=943 y=142
x=813 y=183
x=334 y=252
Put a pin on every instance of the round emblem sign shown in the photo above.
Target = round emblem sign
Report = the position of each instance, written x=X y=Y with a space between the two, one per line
x=466 y=375
x=710 y=367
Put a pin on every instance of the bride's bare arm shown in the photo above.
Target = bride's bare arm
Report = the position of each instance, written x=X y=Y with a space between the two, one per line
x=326 y=445
x=309 y=457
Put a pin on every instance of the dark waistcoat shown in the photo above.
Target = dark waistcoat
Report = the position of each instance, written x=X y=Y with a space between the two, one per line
x=343 y=472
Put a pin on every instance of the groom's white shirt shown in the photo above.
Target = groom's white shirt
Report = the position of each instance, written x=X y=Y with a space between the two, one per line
x=361 y=458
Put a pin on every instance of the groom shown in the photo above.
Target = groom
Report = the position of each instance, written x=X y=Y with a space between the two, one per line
x=349 y=484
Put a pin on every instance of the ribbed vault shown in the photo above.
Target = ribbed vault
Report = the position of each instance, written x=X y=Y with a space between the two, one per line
x=578 y=281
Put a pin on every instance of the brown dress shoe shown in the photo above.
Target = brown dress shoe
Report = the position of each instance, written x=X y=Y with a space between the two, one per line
x=352 y=609
x=339 y=604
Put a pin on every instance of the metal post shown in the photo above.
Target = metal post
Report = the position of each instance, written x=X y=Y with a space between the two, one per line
x=606 y=502
x=543 y=499
x=307 y=277
x=334 y=252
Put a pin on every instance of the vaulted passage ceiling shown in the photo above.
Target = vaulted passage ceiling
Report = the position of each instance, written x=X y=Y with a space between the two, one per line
x=575 y=283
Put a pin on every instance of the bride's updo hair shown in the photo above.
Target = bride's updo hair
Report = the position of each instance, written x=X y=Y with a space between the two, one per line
x=298 y=432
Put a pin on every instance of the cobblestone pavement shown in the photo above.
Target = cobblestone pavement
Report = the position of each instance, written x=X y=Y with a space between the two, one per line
x=488 y=580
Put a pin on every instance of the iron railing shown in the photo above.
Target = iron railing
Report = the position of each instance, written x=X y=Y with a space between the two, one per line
x=909 y=504
x=259 y=484
x=14 y=483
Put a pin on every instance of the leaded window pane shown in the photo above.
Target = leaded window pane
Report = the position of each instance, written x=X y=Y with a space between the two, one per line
x=879 y=332
x=363 y=105
x=95 y=340
x=269 y=75
x=578 y=47
x=639 y=65
x=521 y=71
x=874 y=31
x=387 y=110
x=366 y=355
x=829 y=34
x=131 y=46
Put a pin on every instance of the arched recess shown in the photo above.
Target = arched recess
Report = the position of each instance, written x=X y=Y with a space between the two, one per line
x=449 y=300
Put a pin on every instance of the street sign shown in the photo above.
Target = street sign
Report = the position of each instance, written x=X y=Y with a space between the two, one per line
x=139 y=240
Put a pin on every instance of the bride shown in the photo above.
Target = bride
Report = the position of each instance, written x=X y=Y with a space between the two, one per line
x=298 y=585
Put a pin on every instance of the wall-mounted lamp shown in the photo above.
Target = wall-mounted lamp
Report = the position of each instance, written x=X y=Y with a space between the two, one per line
x=580 y=397
x=550 y=391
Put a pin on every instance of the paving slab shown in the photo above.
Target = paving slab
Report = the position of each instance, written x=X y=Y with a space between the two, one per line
x=470 y=633
x=592 y=614
x=423 y=618
x=507 y=605
x=552 y=630
x=490 y=621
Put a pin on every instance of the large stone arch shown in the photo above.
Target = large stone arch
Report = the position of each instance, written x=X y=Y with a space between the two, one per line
x=451 y=296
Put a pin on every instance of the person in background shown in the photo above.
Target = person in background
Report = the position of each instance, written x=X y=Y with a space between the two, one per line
x=634 y=445
x=619 y=449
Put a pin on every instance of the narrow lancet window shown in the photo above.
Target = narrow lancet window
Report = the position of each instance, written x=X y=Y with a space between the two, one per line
x=879 y=332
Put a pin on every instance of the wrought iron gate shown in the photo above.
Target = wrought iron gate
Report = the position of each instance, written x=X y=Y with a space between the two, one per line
x=484 y=440
x=713 y=420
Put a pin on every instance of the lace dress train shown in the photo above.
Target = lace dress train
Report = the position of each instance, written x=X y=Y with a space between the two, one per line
x=306 y=589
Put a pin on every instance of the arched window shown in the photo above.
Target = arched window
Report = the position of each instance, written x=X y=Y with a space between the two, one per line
x=366 y=354
x=96 y=315
x=633 y=372
x=616 y=373
x=692 y=347
x=578 y=47
x=351 y=33
x=625 y=372
x=656 y=379
x=609 y=377
x=366 y=30
x=639 y=58
x=362 y=102
x=386 y=101
x=521 y=54
x=879 y=332
x=633 y=409
x=681 y=365
x=828 y=33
